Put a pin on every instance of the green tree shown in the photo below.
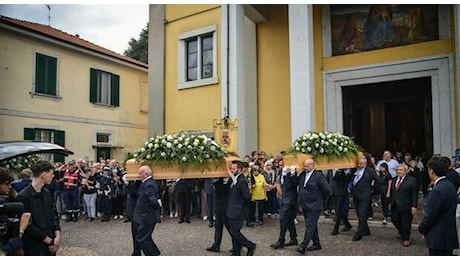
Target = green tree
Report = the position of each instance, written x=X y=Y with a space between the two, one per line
x=139 y=49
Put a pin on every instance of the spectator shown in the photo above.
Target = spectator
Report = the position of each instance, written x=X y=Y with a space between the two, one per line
x=24 y=180
x=438 y=227
x=43 y=236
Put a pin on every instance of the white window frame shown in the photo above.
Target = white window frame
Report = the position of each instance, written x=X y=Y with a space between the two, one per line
x=45 y=135
x=110 y=136
x=104 y=88
x=182 y=69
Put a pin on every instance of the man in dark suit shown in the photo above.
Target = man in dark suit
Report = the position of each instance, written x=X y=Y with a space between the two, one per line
x=438 y=227
x=221 y=189
x=146 y=212
x=338 y=181
x=404 y=196
x=288 y=211
x=362 y=195
x=313 y=190
x=238 y=197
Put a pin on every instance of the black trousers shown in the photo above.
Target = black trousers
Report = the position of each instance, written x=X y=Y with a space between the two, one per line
x=184 y=199
x=402 y=221
x=287 y=216
x=440 y=252
x=362 y=209
x=339 y=212
x=219 y=224
x=143 y=239
x=237 y=237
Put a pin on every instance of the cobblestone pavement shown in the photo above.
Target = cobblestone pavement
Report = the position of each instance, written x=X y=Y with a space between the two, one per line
x=113 y=238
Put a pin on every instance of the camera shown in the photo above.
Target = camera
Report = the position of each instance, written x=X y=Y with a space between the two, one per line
x=10 y=212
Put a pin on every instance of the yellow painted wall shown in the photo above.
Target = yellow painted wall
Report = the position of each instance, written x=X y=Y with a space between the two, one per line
x=189 y=109
x=17 y=59
x=274 y=109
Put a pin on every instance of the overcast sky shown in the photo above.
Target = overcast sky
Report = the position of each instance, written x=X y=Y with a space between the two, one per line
x=109 y=26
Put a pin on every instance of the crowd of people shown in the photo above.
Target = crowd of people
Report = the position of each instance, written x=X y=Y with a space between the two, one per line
x=260 y=186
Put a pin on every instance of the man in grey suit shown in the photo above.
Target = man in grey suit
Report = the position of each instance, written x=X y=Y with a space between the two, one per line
x=438 y=227
x=313 y=190
x=362 y=195
x=238 y=197
x=146 y=213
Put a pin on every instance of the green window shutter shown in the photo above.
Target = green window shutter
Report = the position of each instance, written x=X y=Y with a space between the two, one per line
x=59 y=138
x=93 y=86
x=45 y=74
x=115 y=91
x=51 y=73
x=40 y=76
x=29 y=134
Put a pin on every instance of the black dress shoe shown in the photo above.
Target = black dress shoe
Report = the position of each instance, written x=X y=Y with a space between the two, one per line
x=334 y=232
x=300 y=250
x=211 y=224
x=250 y=225
x=356 y=237
x=68 y=219
x=277 y=245
x=251 y=250
x=292 y=242
x=126 y=220
x=180 y=221
x=213 y=249
x=187 y=221
x=345 y=228
x=314 y=248
x=105 y=220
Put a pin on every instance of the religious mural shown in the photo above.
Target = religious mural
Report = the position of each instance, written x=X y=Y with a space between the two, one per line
x=358 y=28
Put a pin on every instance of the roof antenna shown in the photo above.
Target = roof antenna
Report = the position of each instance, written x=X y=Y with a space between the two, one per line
x=49 y=14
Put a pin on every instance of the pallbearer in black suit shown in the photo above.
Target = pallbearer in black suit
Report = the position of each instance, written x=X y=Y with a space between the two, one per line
x=438 y=225
x=362 y=195
x=238 y=197
x=313 y=190
x=288 y=211
x=221 y=189
x=404 y=196
x=338 y=181
x=146 y=212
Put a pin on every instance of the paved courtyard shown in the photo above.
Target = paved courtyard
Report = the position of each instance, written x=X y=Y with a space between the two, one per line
x=113 y=238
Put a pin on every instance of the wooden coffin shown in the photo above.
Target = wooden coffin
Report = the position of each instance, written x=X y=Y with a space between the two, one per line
x=321 y=163
x=173 y=172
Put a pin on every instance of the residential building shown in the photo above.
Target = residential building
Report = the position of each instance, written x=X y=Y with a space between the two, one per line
x=60 y=88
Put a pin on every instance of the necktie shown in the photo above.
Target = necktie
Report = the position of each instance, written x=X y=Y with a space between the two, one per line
x=398 y=183
x=357 y=177
x=307 y=177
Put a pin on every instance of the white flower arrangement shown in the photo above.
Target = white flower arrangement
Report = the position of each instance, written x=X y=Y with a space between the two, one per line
x=20 y=163
x=325 y=144
x=186 y=151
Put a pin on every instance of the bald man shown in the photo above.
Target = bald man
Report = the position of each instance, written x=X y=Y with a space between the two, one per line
x=146 y=214
x=313 y=190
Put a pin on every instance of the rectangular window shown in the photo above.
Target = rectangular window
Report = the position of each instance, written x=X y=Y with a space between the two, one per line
x=198 y=57
x=104 y=88
x=45 y=75
x=49 y=136
x=103 y=138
